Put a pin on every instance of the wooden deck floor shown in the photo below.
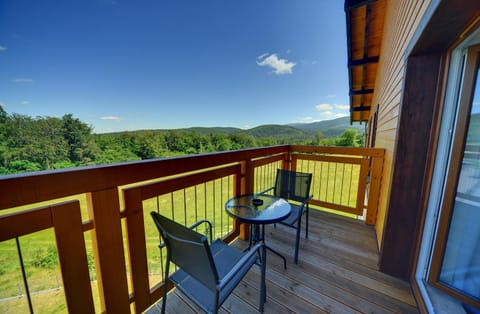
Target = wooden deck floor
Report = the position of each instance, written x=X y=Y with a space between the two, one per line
x=337 y=273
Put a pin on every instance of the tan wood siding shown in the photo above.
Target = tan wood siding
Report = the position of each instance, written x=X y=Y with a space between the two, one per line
x=401 y=21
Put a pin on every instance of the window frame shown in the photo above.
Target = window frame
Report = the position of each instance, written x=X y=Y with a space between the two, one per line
x=466 y=88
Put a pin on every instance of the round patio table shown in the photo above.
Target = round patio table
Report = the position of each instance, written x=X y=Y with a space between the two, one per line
x=259 y=210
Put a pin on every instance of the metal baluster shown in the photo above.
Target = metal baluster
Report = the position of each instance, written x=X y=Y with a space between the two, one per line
x=185 y=206
x=24 y=275
x=196 y=204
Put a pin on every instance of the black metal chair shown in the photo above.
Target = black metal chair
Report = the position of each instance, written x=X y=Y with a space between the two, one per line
x=295 y=187
x=207 y=273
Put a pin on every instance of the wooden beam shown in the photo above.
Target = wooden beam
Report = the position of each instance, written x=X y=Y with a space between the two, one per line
x=364 y=61
x=72 y=255
x=137 y=248
x=104 y=209
x=65 y=182
x=361 y=108
x=353 y=4
x=361 y=92
x=446 y=26
x=410 y=165
x=374 y=190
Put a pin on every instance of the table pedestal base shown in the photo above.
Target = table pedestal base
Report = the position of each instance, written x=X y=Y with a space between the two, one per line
x=258 y=235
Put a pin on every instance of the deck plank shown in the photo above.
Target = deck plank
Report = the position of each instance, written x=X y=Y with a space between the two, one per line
x=337 y=273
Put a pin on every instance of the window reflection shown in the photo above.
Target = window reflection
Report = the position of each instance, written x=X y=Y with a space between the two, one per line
x=461 y=263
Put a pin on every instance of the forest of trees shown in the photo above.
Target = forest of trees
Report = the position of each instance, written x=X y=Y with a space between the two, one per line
x=41 y=143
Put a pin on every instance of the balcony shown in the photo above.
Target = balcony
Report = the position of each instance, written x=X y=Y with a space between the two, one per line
x=107 y=246
x=337 y=273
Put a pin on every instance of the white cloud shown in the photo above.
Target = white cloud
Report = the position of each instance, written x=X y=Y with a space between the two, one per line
x=260 y=57
x=23 y=80
x=341 y=115
x=3 y=48
x=114 y=118
x=324 y=107
x=342 y=107
x=327 y=113
x=331 y=96
x=24 y=102
x=280 y=66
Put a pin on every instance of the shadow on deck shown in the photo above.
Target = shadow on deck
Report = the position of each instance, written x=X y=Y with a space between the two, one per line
x=337 y=273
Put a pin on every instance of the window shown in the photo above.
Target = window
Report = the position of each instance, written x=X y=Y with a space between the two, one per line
x=455 y=264
x=449 y=256
x=372 y=128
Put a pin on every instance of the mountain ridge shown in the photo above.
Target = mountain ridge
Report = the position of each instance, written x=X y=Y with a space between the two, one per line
x=328 y=128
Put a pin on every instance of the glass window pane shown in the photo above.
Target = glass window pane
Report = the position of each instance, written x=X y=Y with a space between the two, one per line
x=461 y=263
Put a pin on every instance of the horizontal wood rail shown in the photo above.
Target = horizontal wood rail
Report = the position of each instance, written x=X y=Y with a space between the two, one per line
x=120 y=193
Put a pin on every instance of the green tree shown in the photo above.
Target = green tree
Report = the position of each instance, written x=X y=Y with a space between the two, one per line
x=35 y=140
x=348 y=138
x=114 y=148
x=318 y=138
x=242 y=140
x=178 y=141
x=19 y=166
x=3 y=139
x=82 y=148
x=220 y=142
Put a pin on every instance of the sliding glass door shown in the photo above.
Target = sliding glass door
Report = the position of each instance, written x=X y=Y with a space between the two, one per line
x=455 y=264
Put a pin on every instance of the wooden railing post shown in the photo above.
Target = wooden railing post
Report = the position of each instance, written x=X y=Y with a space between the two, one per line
x=249 y=177
x=289 y=163
x=374 y=190
x=247 y=187
x=137 y=249
x=104 y=210
x=67 y=222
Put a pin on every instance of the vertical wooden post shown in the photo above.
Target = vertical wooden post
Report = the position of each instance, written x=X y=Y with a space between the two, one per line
x=289 y=163
x=249 y=177
x=104 y=209
x=247 y=187
x=67 y=222
x=374 y=190
x=137 y=248
x=362 y=185
x=238 y=187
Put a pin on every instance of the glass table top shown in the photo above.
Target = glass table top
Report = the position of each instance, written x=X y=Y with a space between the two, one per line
x=272 y=209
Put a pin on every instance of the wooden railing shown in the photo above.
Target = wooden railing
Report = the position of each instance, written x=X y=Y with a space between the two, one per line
x=117 y=199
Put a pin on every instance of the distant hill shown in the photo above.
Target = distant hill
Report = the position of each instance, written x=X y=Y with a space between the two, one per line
x=212 y=130
x=330 y=128
x=278 y=132
x=288 y=133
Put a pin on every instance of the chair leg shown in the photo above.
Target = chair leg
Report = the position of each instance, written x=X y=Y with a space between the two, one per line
x=263 y=286
x=215 y=304
x=165 y=287
x=306 y=223
x=297 y=241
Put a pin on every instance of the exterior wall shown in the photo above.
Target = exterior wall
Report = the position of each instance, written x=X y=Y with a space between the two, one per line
x=401 y=20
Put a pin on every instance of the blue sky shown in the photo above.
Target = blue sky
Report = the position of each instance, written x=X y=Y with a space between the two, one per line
x=160 y=64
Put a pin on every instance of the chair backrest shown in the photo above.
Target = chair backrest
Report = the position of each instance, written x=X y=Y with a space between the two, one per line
x=188 y=249
x=292 y=185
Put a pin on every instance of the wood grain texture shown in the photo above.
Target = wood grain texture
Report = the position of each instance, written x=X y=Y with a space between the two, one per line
x=337 y=273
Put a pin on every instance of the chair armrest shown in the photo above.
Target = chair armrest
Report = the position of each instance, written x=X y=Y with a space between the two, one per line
x=265 y=191
x=195 y=225
x=231 y=274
